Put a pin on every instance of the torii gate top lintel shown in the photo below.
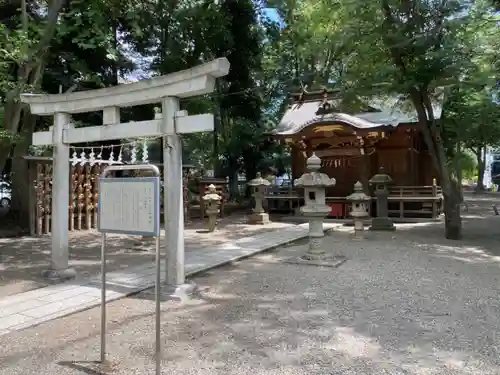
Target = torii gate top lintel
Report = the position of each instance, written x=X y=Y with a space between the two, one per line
x=186 y=83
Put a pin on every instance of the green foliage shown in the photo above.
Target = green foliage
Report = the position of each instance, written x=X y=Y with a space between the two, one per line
x=468 y=165
x=472 y=117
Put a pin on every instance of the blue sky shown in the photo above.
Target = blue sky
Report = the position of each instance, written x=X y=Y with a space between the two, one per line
x=272 y=14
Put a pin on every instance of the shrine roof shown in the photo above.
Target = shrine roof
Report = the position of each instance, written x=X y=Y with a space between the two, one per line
x=383 y=114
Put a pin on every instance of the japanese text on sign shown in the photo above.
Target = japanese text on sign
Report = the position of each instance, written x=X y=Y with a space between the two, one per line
x=130 y=206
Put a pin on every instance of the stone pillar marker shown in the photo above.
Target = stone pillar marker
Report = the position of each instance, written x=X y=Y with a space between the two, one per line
x=212 y=201
x=259 y=186
x=382 y=222
x=359 y=208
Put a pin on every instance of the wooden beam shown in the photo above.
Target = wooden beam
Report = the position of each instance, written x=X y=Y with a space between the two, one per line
x=334 y=152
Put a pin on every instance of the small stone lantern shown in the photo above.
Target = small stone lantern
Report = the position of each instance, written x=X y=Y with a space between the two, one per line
x=359 y=208
x=315 y=208
x=382 y=222
x=212 y=204
x=259 y=186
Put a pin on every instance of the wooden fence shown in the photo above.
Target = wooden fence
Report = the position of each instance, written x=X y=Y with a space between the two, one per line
x=83 y=194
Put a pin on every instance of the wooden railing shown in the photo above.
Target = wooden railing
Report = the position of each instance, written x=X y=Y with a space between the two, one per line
x=283 y=199
x=415 y=201
x=404 y=201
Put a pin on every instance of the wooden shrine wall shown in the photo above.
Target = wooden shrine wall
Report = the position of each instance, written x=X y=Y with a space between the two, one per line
x=345 y=170
x=400 y=154
x=396 y=163
x=426 y=172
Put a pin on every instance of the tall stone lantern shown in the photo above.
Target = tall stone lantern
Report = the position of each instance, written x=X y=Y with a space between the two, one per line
x=315 y=208
x=382 y=222
x=212 y=202
x=359 y=210
x=259 y=186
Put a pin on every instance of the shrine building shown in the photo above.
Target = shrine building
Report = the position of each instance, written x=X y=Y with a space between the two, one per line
x=355 y=144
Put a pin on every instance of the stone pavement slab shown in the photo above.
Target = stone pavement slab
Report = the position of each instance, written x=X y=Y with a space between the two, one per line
x=54 y=301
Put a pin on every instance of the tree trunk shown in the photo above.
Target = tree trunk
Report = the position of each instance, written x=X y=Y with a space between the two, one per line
x=481 y=167
x=432 y=137
x=233 y=184
x=458 y=170
x=20 y=209
x=11 y=125
x=5 y=149
x=453 y=219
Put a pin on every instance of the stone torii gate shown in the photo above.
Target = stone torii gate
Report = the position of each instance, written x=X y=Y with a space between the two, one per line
x=166 y=89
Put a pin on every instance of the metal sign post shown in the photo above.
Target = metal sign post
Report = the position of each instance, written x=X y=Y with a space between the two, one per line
x=130 y=205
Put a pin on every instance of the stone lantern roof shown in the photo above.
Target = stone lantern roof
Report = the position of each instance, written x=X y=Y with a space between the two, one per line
x=258 y=181
x=314 y=178
x=212 y=194
x=381 y=178
x=358 y=194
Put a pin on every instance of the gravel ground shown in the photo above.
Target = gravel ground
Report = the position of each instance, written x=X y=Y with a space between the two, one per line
x=392 y=308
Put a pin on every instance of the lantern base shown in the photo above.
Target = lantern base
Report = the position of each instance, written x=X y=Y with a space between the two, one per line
x=259 y=218
x=332 y=261
x=59 y=275
x=382 y=224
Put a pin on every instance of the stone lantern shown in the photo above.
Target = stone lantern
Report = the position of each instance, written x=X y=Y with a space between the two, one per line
x=315 y=208
x=259 y=186
x=212 y=204
x=382 y=222
x=359 y=210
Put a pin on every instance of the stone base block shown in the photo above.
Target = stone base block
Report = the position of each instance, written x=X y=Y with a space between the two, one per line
x=61 y=275
x=259 y=218
x=358 y=235
x=382 y=224
x=178 y=292
x=333 y=261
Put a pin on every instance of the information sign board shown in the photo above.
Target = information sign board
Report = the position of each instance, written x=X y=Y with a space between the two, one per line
x=129 y=206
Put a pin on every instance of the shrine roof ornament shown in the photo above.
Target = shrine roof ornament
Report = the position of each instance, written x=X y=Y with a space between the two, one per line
x=316 y=108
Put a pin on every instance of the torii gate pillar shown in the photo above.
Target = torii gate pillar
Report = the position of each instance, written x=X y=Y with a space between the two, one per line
x=173 y=198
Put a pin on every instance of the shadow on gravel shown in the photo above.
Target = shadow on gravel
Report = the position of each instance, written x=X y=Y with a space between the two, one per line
x=481 y=233
x=86 y=367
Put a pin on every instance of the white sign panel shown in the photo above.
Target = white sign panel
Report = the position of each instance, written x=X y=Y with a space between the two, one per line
x=130 y=206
